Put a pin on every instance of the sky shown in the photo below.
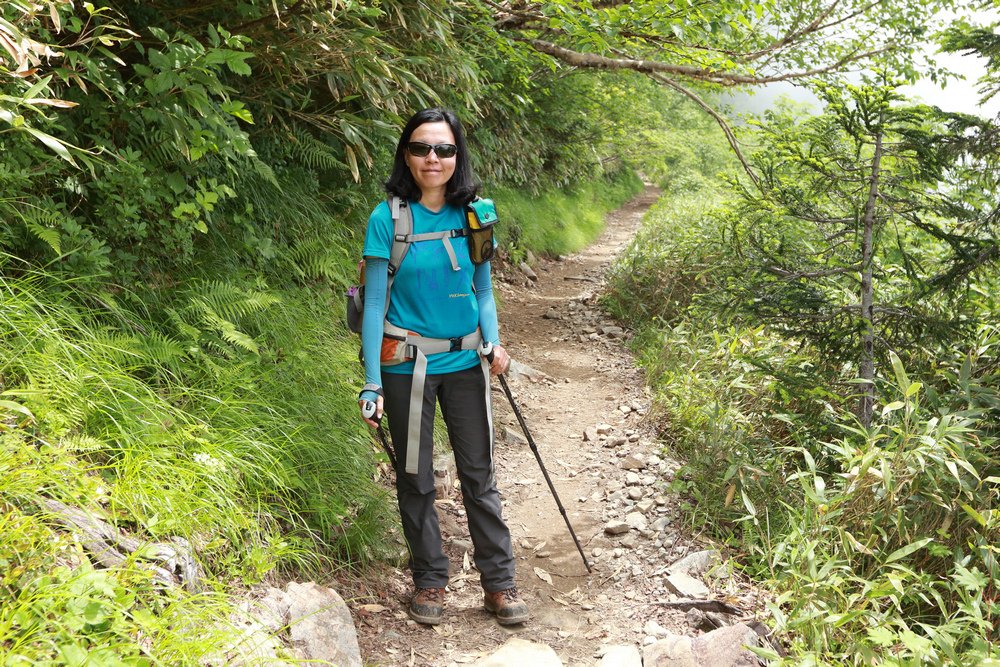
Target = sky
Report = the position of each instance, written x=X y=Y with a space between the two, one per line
x=958 y=95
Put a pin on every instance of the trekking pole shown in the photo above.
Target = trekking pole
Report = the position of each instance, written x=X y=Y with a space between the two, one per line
x=488 y=353
x=368 y=412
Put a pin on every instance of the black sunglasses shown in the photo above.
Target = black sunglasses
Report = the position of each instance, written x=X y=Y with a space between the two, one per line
x=420 y=149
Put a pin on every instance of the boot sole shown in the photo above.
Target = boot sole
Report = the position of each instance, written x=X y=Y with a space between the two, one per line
x=507 y=620
x=426 y=620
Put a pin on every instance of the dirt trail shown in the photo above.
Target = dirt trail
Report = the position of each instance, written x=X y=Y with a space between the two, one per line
x=585 y=377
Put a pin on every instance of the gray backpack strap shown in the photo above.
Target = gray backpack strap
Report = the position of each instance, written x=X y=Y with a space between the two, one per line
x=402 y=230
x=402 y=224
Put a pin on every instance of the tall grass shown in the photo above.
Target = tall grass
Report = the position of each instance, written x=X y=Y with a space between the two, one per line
x=559 y=222
x=880 y=544
x=255 y=457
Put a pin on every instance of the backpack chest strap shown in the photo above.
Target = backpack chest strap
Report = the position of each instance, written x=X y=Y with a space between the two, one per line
x=445 y=236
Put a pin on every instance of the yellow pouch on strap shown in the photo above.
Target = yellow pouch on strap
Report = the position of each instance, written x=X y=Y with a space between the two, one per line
x=481 y=215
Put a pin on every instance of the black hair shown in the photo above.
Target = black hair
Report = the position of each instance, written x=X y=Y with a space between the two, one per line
x=461 y=187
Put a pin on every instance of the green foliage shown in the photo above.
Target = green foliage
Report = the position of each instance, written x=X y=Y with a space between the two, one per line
x=880 y=543
x=560 y=222
x=891 y=555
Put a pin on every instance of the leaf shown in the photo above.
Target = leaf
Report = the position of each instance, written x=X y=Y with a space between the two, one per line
x=58 y=147
x=897 y=366
x=882 y=636
x=12 y=406
x=543 y=575
x=51 y=102
x=56 y=20
x=352 y=161
x=749 y=505
x=892 y=407
x=980 y=519
x=373 y=608
x=903 y=552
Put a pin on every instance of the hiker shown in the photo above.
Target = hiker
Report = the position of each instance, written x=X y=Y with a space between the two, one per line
x=425 y=347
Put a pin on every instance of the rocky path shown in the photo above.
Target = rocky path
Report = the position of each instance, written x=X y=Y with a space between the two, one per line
x=584 y=401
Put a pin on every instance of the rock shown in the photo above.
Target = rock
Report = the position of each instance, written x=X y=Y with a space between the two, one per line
x=625 y=409
x=687 y=586
x=616 y=527
x=645 y=505
x=716 y=620
x=696 y=564
x=629 y=542
x=551 y=314
x=526 y=270
x=514 y=436
x=635 y=493
x=655 y=629
x=637 y=520
x=272 y=609
x=673 y=651
x=724 y=647
x=661 y=523
x=518 y=370
x=632 y=462
x=590 y=434
x=559 y=619
x=445 y=474
x=320 y=625
x=520 y=652
x=695 y=618
x=597 y=552
x=616 y=441
x=604 y=429
x=632 y=479
x=612 y=331
x=530 y=258
x=461 y=544
x=249 y=640
x=621 y=656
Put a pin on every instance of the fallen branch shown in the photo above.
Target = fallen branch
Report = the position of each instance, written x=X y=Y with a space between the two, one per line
x=704 y=605
x=173 y=564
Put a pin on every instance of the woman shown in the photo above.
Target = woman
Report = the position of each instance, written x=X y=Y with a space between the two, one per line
x=437 y=295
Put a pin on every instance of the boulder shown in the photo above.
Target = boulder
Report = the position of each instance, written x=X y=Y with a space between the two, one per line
x=621 y=656
x=696 y=564
x=321 y=626
x=520 y=652
x=687 y=586
x=725 y=647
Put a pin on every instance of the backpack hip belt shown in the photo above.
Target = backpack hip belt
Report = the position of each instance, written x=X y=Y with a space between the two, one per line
x=419 y=347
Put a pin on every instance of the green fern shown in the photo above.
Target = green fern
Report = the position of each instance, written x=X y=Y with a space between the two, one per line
x=49 y=236
x=231 y=302
x=312 y=152
x=317 y=260
x=159 y=349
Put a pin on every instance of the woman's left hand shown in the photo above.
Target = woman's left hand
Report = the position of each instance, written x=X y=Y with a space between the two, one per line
x=501 y=360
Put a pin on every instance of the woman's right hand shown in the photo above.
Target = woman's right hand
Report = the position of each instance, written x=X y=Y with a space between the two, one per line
x=372 y=421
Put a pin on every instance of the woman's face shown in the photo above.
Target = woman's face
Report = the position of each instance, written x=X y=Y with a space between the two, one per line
x=431 y=172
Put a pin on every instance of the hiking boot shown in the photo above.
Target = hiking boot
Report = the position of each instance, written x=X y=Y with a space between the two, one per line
x=427 y=606
x=507 y=605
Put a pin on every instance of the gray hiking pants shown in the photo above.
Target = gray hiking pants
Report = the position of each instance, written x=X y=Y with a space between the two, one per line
x=465 y=406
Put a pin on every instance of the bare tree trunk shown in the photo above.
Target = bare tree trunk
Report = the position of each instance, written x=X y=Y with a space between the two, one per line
x=867 y=367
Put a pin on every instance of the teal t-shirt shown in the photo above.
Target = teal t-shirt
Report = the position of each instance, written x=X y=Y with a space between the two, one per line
x=428 y=296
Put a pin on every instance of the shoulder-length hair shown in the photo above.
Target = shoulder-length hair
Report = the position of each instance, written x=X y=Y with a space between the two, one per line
x=461 y=187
